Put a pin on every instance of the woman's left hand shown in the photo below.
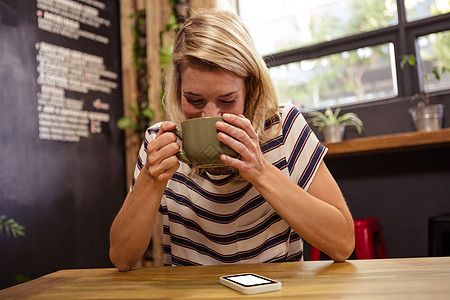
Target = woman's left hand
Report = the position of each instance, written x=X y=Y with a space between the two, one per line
x=238 y=133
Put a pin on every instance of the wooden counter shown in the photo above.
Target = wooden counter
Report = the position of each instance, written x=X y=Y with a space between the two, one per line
x=389 y=143
x=406 y=278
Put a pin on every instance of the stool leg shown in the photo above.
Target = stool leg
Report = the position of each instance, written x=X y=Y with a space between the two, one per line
x=364 y=245
x=381 y=249
x=314 y=253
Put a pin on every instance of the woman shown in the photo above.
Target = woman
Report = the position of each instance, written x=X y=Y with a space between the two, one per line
x=259 y=208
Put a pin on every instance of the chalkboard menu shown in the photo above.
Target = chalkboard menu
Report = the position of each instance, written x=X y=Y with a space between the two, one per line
x=62 y=172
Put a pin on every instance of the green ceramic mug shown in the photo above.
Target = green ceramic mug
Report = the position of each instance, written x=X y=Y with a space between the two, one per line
x=200 y=145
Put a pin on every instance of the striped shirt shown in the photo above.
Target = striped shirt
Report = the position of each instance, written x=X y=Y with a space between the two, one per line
x=210 y=220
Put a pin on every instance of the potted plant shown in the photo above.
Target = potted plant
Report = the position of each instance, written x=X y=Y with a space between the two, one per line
x=426 y=116
x=333 y=125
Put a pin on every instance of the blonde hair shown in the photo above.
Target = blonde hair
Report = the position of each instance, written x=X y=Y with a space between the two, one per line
x=220 y=40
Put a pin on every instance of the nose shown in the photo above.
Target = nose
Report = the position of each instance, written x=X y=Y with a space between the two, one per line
x=211 y=110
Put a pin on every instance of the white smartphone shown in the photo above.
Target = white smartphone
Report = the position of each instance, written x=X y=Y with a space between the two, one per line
x=250 y=283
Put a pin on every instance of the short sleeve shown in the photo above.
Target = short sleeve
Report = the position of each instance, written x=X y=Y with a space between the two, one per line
x=303 y=151
x=150 y=134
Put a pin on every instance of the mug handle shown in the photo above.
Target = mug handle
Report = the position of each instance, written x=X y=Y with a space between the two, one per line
x=181 y=155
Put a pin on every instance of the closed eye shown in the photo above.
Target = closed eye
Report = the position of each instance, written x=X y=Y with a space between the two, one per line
x=228 y=101
x=195 y=101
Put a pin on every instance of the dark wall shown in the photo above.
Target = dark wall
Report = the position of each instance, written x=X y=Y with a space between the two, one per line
x=66 y=194
x=403 y=188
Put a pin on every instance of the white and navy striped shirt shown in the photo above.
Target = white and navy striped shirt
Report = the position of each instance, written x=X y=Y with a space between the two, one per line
x=212 y=220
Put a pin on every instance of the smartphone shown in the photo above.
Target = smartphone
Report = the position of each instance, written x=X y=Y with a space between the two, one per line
x=250 y=283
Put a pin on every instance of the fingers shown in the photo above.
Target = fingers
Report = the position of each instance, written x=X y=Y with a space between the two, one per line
x=236 y=145
x=237 y=132
x=166 y=126
x=242 y=123
x=161 y=160
x=168 y=173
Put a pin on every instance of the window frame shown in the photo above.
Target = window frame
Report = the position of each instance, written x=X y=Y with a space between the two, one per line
x=403 y=36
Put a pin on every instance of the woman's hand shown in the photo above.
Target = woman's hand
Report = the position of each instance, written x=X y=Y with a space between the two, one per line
x=240 y=136
x=133 y=226
x=161 y=161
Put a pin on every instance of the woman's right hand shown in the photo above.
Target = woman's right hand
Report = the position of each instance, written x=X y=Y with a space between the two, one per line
x=133 y=226
x=162 y=162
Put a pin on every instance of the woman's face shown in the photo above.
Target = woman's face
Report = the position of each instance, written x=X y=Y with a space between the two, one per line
x=208 y=93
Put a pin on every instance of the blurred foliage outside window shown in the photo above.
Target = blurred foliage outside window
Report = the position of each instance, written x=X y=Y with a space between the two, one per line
x=434 y=51
x=278 y=26
x=421 y=9
x=357 y=75
x=338 y=79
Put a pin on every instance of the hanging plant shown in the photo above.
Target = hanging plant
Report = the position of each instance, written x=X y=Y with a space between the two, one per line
x=172 y=25
x=142 y=114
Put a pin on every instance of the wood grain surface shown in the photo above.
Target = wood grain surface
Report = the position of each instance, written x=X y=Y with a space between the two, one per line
x=407 y=278
x=390 y=143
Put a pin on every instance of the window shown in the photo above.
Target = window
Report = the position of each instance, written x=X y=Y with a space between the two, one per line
x=336 y=52
x=420 y=9
x=338 y=79
x=287 y=24
x=434 y=51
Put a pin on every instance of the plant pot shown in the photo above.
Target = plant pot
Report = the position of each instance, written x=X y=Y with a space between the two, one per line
x=427 y=117
x=333 y=133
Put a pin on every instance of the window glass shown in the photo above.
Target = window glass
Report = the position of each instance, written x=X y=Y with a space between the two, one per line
x=348 y=77
x=287 y=24
x=420 y=9
x=434 y=52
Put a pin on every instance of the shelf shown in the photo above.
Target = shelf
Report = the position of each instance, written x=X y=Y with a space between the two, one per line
x=389 y=143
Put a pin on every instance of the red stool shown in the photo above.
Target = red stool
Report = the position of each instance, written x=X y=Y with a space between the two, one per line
x=369 y=241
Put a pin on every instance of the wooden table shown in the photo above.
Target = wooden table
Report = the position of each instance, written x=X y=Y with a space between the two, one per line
x=407 y=278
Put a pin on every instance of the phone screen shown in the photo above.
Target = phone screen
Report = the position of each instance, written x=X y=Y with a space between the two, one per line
x=248 y=279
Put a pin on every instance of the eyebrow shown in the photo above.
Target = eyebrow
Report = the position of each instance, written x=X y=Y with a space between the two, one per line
x=224 y=95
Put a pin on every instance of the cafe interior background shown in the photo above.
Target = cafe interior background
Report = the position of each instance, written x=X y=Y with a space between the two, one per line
x=79 y=80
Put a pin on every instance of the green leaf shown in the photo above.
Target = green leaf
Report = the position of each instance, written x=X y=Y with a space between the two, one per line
x=334 y=119
x=2 y=217
x=148 y=113
x=318 y=119
x=172 y=24
x=165 y=55
x=321 y=120
x=11 y=227
x=21 y=278
x=17 y=230
x=436 y=74
x=351 y=119
x=125 y=122
x=409 y=59
x=9 y=222
x=133 y=109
